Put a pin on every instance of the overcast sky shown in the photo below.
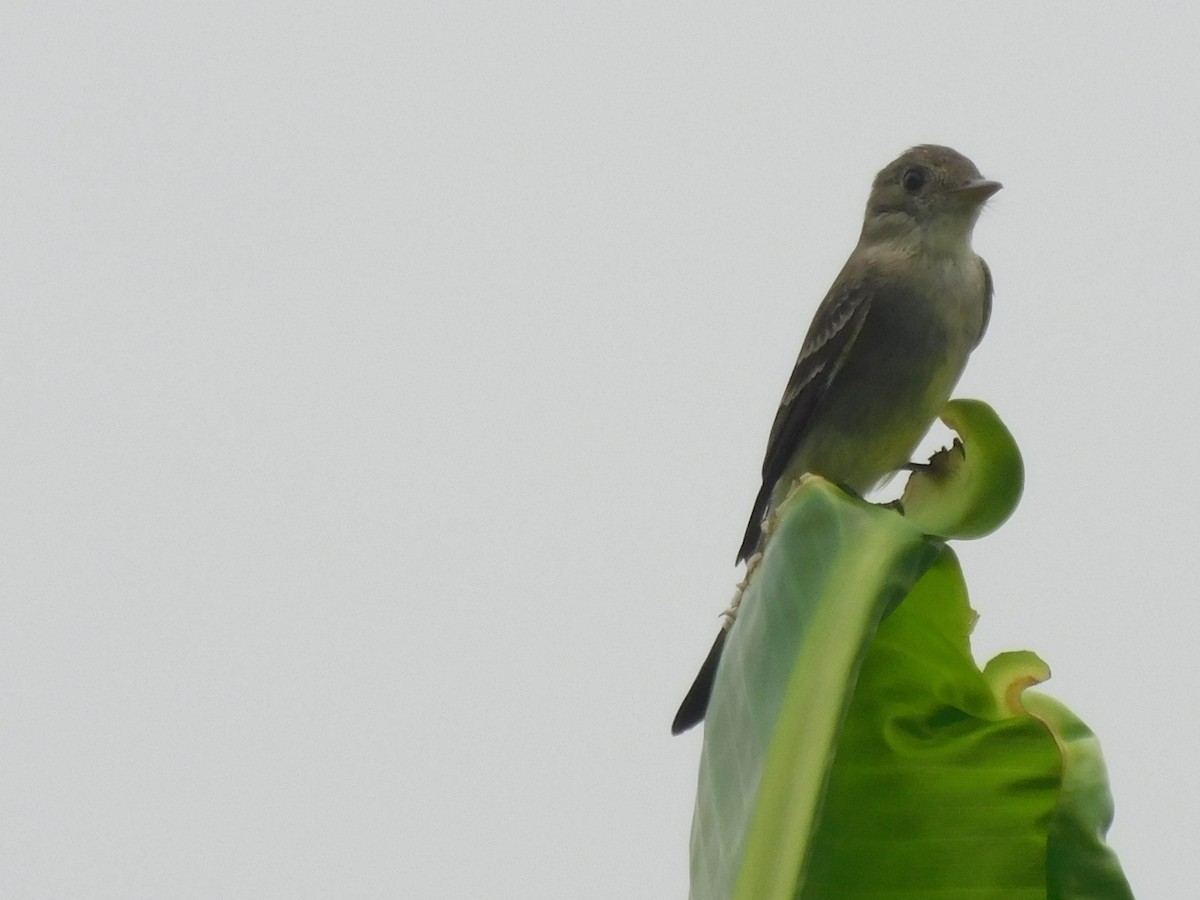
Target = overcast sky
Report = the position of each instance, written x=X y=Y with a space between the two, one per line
x=383 y=390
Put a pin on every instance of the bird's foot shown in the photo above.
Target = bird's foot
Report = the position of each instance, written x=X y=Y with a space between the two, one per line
x=845 y=488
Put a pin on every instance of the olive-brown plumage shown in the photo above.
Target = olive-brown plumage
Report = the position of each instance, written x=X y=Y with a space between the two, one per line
x=884 y=350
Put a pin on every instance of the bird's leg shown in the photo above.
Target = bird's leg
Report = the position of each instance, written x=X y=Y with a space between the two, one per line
x=891 y=504
x=849 y=490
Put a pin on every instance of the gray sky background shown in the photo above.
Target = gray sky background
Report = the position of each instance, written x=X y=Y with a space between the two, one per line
x=383 y=391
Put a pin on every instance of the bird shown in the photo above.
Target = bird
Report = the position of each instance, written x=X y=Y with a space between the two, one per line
x=884 y=351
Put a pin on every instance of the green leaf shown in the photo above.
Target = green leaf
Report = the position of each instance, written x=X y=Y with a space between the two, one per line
x=970 y=489
x=852 y=747
x=940 y=787
x=831 y=569
x=1080 y=863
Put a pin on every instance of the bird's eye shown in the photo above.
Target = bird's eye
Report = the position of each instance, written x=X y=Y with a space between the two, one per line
x=913 y=180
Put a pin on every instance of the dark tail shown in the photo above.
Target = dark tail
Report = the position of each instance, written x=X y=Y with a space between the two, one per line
x=695 y=704
x=691 y=711
x=754 y=528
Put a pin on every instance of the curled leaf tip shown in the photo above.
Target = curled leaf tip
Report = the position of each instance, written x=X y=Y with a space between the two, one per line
x=969 y=489
x=1010 y=674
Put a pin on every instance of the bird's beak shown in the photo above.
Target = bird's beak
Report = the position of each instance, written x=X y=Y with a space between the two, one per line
x=978 y=190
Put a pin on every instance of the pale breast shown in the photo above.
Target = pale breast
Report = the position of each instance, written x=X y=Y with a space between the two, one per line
x=925 y=318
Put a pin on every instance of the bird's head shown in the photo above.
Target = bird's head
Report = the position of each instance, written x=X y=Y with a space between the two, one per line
x=928 y=197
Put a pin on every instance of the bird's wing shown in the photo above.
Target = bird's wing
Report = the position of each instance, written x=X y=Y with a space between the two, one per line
x=987 y=301
x=837 y=324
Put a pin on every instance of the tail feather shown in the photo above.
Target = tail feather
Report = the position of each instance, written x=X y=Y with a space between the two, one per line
x=754 y=527
x=695 y=704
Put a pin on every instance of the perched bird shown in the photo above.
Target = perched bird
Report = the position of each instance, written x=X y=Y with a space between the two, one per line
x=885 y=348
